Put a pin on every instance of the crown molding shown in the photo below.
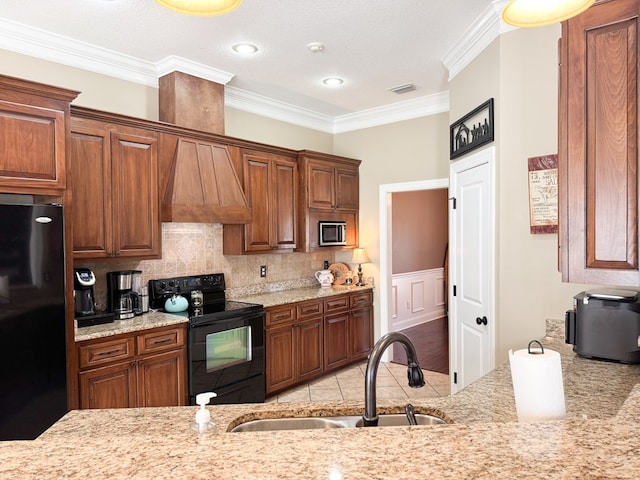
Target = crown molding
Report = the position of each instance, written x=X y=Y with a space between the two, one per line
x=174 y=63
x=267 y=107
x=396 y=112
x=26 y=40
x=476 y=38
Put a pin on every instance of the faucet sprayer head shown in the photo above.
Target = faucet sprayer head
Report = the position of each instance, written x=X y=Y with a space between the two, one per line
x=415 y=376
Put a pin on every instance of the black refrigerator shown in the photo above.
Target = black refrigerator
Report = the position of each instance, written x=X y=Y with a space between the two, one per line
x=33 y=379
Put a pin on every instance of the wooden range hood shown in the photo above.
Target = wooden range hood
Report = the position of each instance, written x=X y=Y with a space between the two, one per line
x=203 y=186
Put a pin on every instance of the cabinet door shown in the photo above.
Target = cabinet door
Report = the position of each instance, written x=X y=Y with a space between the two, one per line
x=598 y=145
x=32 y=146
x=280 y=358
x=161 y=379
x=136 y=218
x=91 y=186
x=271 y=189
x=109 y=387
x=347 y=189
x=284 y=211
x=336 y=340
x=321 y=185
x=310 y=349
x=360 y=333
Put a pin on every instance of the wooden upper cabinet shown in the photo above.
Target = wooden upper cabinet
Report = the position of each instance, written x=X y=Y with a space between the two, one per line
x=136 y=217
x=598 y=145
x=270 y=184
x=332 y=186
x=115 y=191
x=33 y=128
x=329 y=191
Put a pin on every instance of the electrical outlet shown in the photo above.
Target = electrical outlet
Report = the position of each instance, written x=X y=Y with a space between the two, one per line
x=263 y=271
x=326 y=264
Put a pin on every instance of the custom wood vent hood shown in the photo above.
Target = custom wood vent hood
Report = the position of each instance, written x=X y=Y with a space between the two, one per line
x=203 y=186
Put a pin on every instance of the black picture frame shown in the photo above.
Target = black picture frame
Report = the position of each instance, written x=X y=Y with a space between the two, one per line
x=472 y=131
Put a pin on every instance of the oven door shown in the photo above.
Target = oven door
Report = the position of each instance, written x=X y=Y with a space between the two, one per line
x=226 y=356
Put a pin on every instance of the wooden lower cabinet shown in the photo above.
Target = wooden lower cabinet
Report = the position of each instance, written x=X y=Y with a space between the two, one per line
x=307 y=339
x=336 y=342
x=293 y=348
x=134 y=370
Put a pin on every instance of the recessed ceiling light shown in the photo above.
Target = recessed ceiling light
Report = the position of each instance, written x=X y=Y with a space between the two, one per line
x=333 y=81
x=244 y=48
x=315 y=47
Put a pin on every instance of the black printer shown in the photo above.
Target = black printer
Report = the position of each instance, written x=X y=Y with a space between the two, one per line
x=605 y=324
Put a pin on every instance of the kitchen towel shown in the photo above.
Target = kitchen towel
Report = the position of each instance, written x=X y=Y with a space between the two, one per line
x=536 y=374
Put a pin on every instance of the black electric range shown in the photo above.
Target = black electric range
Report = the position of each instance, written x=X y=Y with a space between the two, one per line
x=226 y=338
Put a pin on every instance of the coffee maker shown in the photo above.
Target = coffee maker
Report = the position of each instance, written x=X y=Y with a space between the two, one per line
x=120 y=296
x=83 y=299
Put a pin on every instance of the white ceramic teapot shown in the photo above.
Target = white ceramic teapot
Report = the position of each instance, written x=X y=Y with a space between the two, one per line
x=325 y=277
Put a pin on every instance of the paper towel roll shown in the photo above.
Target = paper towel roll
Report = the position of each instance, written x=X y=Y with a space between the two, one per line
x=537 y=384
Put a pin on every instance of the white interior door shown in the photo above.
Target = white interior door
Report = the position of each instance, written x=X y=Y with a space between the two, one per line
x=472 y=269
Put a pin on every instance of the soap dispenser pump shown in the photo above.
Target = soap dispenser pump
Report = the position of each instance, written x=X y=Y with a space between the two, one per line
x=203 y=416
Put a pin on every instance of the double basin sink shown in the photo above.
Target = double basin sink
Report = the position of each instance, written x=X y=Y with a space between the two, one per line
x=344 y=421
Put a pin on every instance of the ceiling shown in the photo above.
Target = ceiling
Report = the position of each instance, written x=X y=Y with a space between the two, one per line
x=373 y=45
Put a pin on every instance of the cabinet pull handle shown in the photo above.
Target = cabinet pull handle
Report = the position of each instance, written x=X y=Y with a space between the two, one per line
x=162 y=342
x=110 y=352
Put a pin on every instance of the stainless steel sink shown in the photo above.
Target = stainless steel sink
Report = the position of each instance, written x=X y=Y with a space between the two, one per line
x=346 y=421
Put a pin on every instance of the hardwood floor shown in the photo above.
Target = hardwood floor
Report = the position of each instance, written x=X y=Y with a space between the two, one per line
x=431 y=340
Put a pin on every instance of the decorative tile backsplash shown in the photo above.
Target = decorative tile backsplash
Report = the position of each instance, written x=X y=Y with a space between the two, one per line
x=196 y=248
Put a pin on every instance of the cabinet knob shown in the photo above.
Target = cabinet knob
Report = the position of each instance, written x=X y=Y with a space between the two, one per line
x=481 y=321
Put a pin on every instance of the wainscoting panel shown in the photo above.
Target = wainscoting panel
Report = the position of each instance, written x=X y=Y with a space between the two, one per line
x=417 y=297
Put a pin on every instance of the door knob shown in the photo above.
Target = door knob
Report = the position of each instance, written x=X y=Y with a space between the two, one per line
x=481 y=321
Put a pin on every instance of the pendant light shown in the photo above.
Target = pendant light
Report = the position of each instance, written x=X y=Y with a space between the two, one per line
x=201 y=7
x=538 y=13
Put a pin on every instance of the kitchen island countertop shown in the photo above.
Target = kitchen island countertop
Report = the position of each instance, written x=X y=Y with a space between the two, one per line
x=597 y=440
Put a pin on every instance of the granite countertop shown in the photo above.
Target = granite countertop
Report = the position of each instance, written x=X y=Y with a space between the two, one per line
x=598 y=439
x=272 y=299
x=156 y=319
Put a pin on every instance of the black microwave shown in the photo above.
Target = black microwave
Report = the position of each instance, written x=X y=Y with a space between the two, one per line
x=331 y=234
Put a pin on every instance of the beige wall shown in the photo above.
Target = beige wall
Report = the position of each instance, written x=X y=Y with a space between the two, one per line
x=97 y=91
x=273 y=132
x=520 y=71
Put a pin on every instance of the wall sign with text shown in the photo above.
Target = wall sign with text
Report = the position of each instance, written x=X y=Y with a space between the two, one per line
x=543 y=194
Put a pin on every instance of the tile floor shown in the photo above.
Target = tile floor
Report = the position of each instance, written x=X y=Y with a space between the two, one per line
x=348 y=384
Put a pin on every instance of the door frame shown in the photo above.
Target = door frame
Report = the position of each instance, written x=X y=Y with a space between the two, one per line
x=386 y=244
x=486 y=156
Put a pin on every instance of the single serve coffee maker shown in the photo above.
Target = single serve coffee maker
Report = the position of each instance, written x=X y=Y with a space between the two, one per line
x=83 y=299
x=86 y=312
x=120 y=297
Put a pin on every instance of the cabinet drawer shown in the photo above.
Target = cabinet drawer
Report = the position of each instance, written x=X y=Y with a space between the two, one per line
x=106 y=352
x=336 y=304
x=308 y=309
x=160 y=341
x=361 y=299
x=280 y=314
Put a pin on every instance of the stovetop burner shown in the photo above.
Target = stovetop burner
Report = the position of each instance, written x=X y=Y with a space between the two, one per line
x=212 y=287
